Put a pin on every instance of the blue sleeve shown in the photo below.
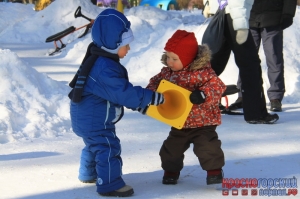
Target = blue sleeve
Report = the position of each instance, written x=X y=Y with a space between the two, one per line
x=112 y=84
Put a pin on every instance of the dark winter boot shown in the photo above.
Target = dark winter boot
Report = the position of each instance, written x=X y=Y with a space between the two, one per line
x=269 y=119
x=275 y=105
x=221 y=106
x=237 y=104
x=123 y=192
x=88 y=181
x=170 y=177
x=214 y=176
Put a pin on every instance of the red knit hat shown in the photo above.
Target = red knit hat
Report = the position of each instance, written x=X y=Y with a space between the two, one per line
x=184 y=44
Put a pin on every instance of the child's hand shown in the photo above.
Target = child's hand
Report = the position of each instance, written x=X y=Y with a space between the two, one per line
x=197 y=97
x=157 y=99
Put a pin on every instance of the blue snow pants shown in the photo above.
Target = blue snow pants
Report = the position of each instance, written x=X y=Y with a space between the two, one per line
x=101 y=160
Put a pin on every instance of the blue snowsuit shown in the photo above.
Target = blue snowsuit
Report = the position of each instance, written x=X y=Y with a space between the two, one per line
x=106 y=90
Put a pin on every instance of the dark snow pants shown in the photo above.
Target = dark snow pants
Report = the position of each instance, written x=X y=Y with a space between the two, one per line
x=248 y=62
x=207 y=147
x=272 y=40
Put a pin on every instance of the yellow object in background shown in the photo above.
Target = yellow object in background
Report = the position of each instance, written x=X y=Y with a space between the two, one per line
x=176 y=107
x=120 y=6
x=41 y=4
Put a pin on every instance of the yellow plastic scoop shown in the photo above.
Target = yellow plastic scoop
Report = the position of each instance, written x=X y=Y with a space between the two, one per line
x=177 y=105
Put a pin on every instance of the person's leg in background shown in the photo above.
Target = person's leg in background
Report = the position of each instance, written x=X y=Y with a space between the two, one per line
x=256 y=35
x=248 y=62
x=239 y=101
x=272 y=39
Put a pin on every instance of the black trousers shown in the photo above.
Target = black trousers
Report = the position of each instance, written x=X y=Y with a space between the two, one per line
x=248 y=62
x=272 y=41
x=207 y=147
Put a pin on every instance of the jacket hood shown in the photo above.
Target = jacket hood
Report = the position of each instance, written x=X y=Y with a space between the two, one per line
x=202 y=59
x=108 y=29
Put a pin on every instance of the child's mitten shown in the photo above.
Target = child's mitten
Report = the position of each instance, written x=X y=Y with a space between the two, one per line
x=157 y=99
x=197 y=97
x=143 y=110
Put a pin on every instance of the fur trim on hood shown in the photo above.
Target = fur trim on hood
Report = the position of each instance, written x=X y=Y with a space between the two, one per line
x=202 y=59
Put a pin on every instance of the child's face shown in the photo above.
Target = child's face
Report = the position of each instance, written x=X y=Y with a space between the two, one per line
x=122 y=52
x=173 y=61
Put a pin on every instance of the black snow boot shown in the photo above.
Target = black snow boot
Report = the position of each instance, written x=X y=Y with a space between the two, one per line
x=170 y=177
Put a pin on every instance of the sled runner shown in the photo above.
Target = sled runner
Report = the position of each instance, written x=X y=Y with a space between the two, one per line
x=231 y=89
x=58 y=36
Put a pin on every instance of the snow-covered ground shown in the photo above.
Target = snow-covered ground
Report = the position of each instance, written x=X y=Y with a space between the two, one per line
x=39 y=154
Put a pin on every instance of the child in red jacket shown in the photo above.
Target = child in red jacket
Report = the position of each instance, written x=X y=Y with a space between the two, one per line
x=188 y=66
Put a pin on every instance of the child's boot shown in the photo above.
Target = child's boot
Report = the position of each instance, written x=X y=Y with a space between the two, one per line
x=88 y=181
x=87 y=178
x=214 y=176
x=170 y=177
x=123 y=192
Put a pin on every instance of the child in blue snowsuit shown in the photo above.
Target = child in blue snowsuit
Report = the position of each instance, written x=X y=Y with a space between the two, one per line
x=100 y=90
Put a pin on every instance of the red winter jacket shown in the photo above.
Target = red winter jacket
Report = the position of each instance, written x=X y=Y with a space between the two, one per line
x=198 y=75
